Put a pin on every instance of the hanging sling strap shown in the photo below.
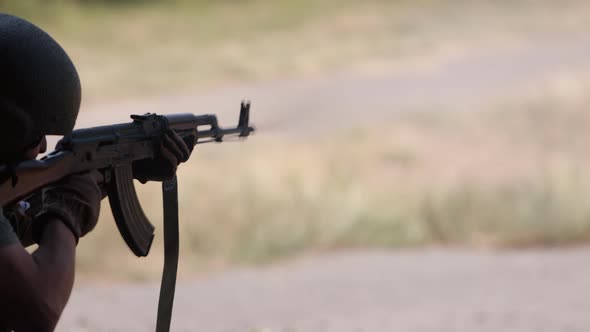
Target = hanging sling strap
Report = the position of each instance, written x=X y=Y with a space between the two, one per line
x=167 y=288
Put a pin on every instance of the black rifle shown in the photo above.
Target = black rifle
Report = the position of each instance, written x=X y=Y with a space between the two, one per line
x=112 y=150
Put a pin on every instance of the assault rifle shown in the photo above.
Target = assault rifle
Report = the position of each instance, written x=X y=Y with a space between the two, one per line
x=112 y=150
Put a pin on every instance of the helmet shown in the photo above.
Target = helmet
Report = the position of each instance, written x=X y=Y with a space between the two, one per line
x=39 y=86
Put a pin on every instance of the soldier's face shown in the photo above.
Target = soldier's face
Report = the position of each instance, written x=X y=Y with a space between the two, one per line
x=33 y=151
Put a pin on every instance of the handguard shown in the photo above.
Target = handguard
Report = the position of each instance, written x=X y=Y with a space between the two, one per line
x=133 y=225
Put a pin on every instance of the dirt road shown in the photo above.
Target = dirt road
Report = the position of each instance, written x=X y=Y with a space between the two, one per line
x=422 y=290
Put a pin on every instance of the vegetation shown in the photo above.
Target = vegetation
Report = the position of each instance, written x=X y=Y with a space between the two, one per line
x=511 y=174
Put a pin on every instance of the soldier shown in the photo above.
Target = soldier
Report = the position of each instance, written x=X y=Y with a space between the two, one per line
x=40 y=95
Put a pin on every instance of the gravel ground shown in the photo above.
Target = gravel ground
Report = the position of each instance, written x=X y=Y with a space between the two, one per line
x=422 y=290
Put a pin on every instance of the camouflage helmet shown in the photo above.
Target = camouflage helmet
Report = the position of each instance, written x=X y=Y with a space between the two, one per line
x=39 y=86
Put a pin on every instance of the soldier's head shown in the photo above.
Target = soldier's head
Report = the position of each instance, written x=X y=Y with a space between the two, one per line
x=39 y=89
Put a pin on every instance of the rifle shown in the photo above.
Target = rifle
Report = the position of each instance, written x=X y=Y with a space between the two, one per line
x=112 y=150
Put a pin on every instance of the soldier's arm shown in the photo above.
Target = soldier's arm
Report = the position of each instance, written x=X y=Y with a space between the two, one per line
x=35 y=287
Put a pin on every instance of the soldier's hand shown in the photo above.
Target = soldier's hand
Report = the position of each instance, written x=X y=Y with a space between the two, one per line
x=74 y=200
x=173 y=150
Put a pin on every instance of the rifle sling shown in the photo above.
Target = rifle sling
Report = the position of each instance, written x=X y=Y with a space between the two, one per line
x=171 y=243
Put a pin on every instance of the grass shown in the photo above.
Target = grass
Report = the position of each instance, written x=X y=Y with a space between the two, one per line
x=511 y=175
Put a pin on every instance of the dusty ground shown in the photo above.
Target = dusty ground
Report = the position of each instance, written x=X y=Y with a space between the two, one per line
x=417 y=290
x=422 y=290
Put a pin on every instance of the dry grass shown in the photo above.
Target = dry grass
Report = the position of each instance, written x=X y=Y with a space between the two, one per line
x=512 y=174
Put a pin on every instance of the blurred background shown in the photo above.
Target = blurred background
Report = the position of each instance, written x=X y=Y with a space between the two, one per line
x=418 y=165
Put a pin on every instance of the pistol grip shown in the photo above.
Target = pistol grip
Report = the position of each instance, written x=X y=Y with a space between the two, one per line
x=133 y=225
